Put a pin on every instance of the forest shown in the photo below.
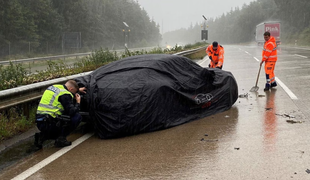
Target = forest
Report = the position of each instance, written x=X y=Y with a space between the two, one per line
x=238 y=25
x=70 y=26
x=48 y=27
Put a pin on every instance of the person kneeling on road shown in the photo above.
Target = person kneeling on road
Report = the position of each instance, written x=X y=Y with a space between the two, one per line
x=58 y=101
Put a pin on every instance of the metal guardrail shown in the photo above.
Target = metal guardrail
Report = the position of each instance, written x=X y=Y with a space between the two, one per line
x=60 y=56
x=188 y=52
x=31 y=92
x=44 y=58
x=25 y=94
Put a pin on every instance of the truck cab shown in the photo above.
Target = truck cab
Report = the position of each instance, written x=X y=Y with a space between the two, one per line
x=274 y=27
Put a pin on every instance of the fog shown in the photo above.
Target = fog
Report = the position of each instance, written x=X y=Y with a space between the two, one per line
x=176 y=14
x=56 y=27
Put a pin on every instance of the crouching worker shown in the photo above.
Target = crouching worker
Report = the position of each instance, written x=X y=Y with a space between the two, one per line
x=216 y=55
x=58 y=102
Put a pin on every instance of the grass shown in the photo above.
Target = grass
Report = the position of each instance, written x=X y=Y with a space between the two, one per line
x=13 y=122
x=199 y=55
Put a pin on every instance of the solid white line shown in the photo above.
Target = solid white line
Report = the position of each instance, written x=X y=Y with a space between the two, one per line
x=286 y=89
x=301 y=56
x=256 y=59
x=203 y=60
x=51 y=158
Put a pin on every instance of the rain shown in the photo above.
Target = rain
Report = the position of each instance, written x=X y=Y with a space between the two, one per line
x=154 y=116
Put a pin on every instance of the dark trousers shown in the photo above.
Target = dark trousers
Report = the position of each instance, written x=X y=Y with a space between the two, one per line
x=52 y=128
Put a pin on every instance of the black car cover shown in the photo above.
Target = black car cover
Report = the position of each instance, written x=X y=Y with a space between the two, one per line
x=151 y=92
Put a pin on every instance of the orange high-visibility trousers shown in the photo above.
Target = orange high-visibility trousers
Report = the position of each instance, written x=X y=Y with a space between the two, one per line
x=269 y=70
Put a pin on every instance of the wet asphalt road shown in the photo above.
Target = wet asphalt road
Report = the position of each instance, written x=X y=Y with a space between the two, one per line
x=263 y=136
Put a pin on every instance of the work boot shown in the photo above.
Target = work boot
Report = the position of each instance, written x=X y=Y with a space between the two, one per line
x=267 y=87
x=62 y=142
x=38 y=140
x=273 y=84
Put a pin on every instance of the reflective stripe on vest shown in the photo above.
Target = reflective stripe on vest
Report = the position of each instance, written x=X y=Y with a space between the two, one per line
x=270 y=50
x=273 y=54
x=49 y=103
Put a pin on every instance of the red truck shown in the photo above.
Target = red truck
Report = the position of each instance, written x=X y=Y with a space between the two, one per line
x=273 y=27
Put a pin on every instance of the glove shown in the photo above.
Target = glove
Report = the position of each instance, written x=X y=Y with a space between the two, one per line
x=210 y=57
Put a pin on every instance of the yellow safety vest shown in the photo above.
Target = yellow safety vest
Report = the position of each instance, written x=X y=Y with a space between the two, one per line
x=49 y=103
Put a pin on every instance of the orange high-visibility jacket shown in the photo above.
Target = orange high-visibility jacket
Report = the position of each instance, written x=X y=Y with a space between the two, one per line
x=270 y=50
x=217 y=56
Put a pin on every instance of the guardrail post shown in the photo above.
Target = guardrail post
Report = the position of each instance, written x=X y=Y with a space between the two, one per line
x=9 y=50
x=26 y=110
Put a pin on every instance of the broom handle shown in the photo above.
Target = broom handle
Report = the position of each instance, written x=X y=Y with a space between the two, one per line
x=258 y=75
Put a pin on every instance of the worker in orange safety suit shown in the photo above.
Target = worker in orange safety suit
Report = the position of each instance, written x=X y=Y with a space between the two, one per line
x=270 y=57
x=216 y=55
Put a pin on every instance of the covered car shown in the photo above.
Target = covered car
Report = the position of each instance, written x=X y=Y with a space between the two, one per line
x=146 y=93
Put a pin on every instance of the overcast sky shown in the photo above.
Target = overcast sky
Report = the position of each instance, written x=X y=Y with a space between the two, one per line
x=176 y=14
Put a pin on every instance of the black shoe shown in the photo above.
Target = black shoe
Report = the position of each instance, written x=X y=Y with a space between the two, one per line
x=38 y=140
x=267 y=87
x=274 y=84
x=62 y=142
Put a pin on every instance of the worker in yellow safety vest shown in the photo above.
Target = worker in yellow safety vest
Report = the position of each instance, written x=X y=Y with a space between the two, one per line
x=58 y=100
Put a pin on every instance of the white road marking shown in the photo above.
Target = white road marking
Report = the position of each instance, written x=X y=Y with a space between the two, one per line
x=251 y=54
x=51 y=158
x=206 y=58
x=256 y=59
x=247 y=52
x=301 y=56
x=286 y=89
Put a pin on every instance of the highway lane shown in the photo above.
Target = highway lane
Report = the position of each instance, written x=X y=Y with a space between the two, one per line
x=293 y=69
x=252 y=140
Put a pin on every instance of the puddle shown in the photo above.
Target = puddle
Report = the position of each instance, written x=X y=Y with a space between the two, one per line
x=25 y=148
x=17 y=152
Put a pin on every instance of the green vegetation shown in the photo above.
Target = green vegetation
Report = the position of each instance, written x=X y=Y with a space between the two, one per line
x=16 y=75
x=13 y=121
x=198 y=55
x=35 y=28
x=44 y=27
x=11 y=76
